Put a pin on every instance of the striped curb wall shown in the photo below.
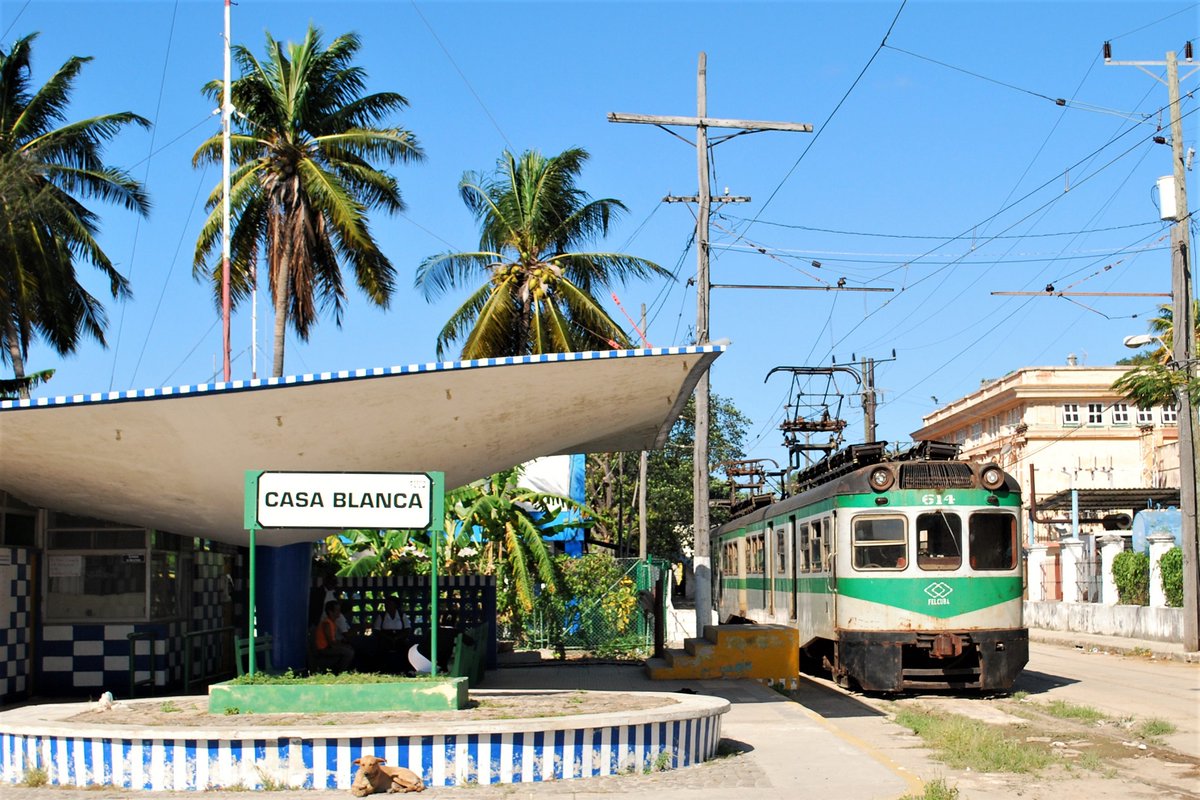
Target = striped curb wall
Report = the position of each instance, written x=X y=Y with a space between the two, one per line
x=525 y=751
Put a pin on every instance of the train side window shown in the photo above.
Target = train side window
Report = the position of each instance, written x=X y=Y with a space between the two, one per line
x=939 y=541
x=780 y=551
x=818 y=549
x=992 y=541
x=880 y=542
x=802 y=558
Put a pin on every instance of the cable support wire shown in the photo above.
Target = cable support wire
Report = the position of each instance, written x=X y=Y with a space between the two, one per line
x=942 y=237
x=1058 y=101
x=890 y=258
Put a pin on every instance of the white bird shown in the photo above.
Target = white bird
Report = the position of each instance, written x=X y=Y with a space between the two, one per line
x=420 y=663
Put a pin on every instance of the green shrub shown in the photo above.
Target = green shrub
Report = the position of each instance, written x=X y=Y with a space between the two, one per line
x=1131 y=571
x=1171 y=565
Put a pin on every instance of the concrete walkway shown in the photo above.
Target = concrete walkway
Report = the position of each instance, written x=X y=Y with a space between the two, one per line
x=778 y=748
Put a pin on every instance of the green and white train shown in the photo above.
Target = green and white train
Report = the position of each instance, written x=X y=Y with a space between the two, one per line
x=901 y=572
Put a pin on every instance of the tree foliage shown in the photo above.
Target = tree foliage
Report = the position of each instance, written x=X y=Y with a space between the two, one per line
x=493 y=526
x=538 y=292
x=304 y=178
x=612 y=482
x=1155 y=379
x=48 y=167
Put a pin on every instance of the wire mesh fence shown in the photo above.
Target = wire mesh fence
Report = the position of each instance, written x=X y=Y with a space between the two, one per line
x=613 y=617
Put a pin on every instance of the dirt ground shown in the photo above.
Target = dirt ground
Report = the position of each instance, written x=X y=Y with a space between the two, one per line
x=192 y=712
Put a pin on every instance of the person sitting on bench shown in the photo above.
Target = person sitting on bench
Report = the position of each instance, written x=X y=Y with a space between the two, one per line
x=330 y=650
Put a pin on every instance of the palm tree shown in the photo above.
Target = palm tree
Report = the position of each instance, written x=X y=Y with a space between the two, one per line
x=539 y=291
x=303 y=180
x=46 y=169
x=1155 y=380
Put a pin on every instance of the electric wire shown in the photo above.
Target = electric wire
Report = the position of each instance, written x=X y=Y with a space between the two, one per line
x=17 y=17
x=828 y=119
x=137 y=229
x=170 y=270
x=462 y=75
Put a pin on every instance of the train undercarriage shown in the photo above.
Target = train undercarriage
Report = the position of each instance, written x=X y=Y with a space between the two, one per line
x=905 y=661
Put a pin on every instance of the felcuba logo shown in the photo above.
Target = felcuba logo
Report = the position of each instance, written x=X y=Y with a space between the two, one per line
x=939 y=593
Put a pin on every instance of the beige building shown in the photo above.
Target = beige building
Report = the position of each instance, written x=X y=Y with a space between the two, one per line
x=1066 y=425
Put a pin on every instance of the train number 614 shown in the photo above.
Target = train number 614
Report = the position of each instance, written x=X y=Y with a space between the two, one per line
x=937 y=499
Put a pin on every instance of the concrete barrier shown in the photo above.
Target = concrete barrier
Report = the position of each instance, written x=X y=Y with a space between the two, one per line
x=1134 y=622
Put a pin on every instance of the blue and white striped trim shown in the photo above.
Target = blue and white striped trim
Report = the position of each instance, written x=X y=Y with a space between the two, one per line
x=350 y=374
x=444 y=759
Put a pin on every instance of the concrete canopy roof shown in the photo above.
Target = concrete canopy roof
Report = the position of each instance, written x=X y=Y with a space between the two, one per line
x=174 y=459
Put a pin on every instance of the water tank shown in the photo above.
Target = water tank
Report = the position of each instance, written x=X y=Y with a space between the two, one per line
x=1166 y=520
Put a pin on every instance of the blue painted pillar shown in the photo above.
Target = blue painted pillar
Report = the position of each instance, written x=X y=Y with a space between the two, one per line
x=284 y=578
x=573 y=546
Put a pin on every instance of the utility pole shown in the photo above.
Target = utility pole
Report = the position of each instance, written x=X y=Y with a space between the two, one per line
x=643 y=467
x=868 y=399
x=701 y=562
x=1184 y=345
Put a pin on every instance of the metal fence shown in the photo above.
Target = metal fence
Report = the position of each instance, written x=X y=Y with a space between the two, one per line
x=618 y=620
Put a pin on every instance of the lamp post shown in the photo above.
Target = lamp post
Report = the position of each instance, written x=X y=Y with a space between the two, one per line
x=1187 y=483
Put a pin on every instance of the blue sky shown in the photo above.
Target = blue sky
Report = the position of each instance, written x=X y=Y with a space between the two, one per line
x=938 y=183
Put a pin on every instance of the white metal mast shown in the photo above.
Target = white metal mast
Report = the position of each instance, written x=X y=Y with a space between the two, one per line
x=226 y=112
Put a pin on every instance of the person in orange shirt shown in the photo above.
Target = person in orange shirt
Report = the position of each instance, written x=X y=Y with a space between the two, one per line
x=331 y=652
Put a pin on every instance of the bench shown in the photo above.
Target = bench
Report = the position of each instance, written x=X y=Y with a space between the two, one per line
x=262 y=654
x=469 y=656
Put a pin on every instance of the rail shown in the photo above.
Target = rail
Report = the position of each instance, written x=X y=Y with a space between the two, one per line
x=190 y=640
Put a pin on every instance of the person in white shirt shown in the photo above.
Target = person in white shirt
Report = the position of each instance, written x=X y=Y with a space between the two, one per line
x=392 y=618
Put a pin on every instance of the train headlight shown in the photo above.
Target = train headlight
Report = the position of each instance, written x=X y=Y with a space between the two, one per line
x=991 y=476
x=881 y=479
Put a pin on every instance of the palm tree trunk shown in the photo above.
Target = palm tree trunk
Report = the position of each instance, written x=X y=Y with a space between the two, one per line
x=282 y=294
x=14 y=353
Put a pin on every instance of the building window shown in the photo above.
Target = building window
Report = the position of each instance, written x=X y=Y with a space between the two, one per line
x=1070 y=413
x=1145 y=416
x=1170 y=414
x=1120 y=413
x=1095 y=414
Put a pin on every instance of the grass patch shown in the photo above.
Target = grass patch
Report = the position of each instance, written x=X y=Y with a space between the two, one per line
x=1019 y=696
x=1155 y=727
x=35 y=777
x=328 y=679
x=935 y=790
x=963 y=743
x=1065 y=710
x=169 y=707
x=269 y=783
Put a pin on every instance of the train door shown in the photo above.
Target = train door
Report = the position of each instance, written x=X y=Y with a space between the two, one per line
x=791 y=570
x=743 y=569
x=769 y=570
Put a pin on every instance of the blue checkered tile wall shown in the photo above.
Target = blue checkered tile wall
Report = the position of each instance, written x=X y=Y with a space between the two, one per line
x=16 y=590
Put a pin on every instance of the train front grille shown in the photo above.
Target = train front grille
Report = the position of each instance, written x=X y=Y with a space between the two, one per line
x=936 y=475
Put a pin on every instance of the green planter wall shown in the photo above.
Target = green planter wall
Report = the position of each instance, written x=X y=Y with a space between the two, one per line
x=431 y=694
